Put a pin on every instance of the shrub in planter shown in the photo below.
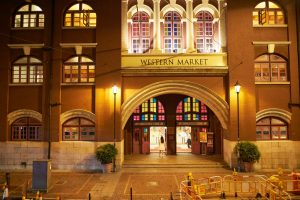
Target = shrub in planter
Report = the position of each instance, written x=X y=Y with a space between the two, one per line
x=248 y=153
x=105 y=154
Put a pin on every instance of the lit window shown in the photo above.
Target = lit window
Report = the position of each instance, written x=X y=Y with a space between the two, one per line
x=191 y=109
x=172 y=33
x=267 y=13
x=80 y=15
x=27 y=70
x=79 y=129
x=270 y=68
x=29 y=16
x=150 y=110
x=26 y=128
x=79 y=69
x=140 y=33
x=271 y=128
x=204 y=32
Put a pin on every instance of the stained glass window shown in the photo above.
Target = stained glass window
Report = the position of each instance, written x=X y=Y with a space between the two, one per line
x=140 y=32
x=150 y=110
x=78 y=129
x=189 y=110
x=204 y=32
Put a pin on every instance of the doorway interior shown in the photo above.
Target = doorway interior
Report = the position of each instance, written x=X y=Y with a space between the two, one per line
x=155 y=133
x=183 y=139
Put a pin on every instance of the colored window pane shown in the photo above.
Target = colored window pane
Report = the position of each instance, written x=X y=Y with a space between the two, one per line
x=271 y=129
x=78 y=129
x=172 y=32
x=80 y=15
x=267 y=13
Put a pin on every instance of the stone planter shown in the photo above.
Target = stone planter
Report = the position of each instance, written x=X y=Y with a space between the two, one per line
x=107 y=168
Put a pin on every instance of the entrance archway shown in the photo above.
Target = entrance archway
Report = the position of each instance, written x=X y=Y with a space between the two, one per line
x=200 y=92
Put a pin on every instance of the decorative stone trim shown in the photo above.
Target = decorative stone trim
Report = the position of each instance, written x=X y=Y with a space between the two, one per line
x=171 y=7
x=212 y=9
x=77 y=113
x=274 y=112
x=207 y=96
x=141 y=7
x=13 y=116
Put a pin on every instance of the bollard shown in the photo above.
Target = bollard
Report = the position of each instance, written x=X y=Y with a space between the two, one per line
x=90 y=196
x=171 y=196
x=131 y=193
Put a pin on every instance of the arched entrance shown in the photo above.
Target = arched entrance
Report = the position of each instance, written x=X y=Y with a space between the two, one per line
x=203 y=128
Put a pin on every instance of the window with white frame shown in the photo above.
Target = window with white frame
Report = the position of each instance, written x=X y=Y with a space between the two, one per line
x=80 y=15
x=27 y=70
x=26 y=128
x=29 y=16
x=79 y=69
x=78 y=128
x=172 y=32
x=271 y=128
x=267 y=13
x=270 y=68
x=140 y=33
x=204 y=32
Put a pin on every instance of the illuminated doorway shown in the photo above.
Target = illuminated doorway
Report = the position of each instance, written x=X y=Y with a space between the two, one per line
x=155 y=133
x=183 y=139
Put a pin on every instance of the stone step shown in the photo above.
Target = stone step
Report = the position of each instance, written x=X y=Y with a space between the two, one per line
x=205 y=165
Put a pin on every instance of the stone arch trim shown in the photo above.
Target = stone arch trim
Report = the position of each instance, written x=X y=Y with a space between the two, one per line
x=77 y=113
x=143 y=8
x=207 y=96
x=207 y=7
x=274 y=112
x=173 y=7
x=13 y=116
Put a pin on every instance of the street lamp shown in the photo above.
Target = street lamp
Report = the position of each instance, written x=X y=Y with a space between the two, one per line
x=237 y=89
x=115 y=91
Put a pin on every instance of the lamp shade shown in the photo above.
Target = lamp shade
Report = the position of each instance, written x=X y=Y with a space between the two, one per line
x=237 y=87
x=115 y=89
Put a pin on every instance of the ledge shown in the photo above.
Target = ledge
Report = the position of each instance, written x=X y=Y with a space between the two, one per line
x=273 y=83
x=271 y=26
x=24 y=84
x=77 y=84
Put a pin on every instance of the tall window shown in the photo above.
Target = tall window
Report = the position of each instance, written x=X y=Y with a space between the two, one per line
x=26 y=128
x=79 y=129
x=191 y=109
x=172 y=32
x=267 y=13
x=140 y=31
x=270 y=67
x=79 y=69
x=271 y=128
x=80 y=15
x=29 y=16
x=150 y=110
x=204 y=32
x=27 y=70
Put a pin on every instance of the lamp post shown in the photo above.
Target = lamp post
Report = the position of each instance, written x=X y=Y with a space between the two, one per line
x=237 y=89
x=115 y=91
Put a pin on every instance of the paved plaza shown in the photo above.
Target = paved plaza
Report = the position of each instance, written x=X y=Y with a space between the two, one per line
x=149 y=177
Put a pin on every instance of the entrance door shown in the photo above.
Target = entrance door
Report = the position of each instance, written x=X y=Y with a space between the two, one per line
x=155 y=133
x=145 y=140
x=195 y=140
x=136 y=140
x=183 y=139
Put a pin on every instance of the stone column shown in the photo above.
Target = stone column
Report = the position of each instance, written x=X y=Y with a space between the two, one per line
x=222 y=26
x=189 y=27
x=124 y=27
x=156 y=27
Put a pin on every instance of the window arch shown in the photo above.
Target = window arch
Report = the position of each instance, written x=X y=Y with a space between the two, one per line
x=271 y=128
x=191 y=109
x=27 y=70
x=204 y=32
x=270 y=68
x=29 y=16
x=172 y=32
x=267 y=13
x=26 y=128
x=79 y=69
x=140 y=32
x=78 y=128
x=150 y=110
x=80 y=15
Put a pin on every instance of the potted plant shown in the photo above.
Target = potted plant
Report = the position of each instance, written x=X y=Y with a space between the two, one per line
x=105 y=154
x=248 y=153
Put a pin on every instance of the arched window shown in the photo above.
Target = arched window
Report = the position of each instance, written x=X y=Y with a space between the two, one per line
x=204 y=32
x=27 y=70
x=172 y=32
x=270 y=68
x=150 y=110
x=268 y=13
x=80 y=15
x=79 y=129
x=191 y=109
x=29 y=16
x=271 y=128
x=26 y=128
x=79 y=69
x=140 y=33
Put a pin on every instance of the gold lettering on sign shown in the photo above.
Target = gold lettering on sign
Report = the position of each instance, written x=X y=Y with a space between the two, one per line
x=170 y=62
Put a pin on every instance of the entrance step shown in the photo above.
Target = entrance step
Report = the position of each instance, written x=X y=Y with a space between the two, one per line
x=204 y=165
